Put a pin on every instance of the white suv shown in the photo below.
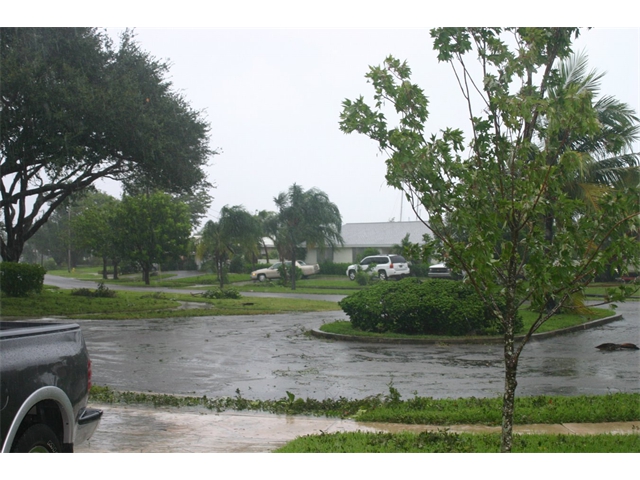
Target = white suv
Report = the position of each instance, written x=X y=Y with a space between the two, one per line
x=384 y=266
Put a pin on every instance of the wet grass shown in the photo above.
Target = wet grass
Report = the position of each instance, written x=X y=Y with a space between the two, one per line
x=137 y=305
x=618 y=407
x=449 y=442
x=57 y=302
x=528 y=317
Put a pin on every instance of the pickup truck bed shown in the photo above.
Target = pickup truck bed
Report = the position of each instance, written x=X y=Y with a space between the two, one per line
x=45 y=377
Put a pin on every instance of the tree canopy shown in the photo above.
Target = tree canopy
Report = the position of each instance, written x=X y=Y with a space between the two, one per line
x=506 y=187
x=75 y=108
x=150 y=229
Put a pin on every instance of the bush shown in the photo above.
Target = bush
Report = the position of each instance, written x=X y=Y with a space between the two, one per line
x=432 y=307
x=330 y=268
x=419 y=270
x=220 y=294
x=286 y=273
x=236 y=265
x=101 y=292
x=21 y=279
x=50 y=264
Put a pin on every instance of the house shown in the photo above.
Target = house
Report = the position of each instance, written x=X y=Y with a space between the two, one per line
x=358 y=236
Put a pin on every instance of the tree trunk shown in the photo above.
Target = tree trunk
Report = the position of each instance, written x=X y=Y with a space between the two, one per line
x=145 y=274
x=293 y=263
x=508 y=403
x=115 y=269
x=104 y=268
x=219 y=266
x=12 y=250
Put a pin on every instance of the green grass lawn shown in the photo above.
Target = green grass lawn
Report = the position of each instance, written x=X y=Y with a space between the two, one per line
x=449 y=442
x=128 y=305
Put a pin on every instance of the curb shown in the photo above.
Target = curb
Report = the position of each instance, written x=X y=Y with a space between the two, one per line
x=449 y=340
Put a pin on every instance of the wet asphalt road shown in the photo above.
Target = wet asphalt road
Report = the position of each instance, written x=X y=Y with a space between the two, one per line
x=263 y=357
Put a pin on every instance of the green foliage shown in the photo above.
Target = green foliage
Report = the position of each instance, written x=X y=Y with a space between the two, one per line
x=222 y=293
x=367 y=252
x=21 y=279
x=509 y=189
x=150 y=228
x=101 y=292
x=432 y=307
x=365 y=277
x=305 y=216
x=391 y=408
x=287 y=276
x=236 y=232
x=237 y=264
x=331 y=268
x=444 y=441
x=78 y=107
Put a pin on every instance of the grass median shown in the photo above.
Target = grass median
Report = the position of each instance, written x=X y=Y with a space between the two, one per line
x=133 y=305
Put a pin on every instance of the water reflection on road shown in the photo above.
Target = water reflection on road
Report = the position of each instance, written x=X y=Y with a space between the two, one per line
x=264 y=357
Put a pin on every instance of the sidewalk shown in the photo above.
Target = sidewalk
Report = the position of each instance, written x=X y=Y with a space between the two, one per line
x=126 y=428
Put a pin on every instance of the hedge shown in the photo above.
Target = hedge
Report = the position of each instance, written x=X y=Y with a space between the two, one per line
x=430 y=307
x=21 y=279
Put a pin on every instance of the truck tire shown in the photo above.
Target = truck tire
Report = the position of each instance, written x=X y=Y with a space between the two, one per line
x=38 y=438
x=352 y=275
x=382 y=275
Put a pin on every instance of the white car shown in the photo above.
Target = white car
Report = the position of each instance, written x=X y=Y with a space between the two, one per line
x=272 y=272
x=384 y=266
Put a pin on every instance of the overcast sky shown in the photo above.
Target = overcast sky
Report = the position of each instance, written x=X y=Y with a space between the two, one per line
x=273 y=99
x=270 y=78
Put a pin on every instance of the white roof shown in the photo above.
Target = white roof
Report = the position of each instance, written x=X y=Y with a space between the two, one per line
x=382 y=234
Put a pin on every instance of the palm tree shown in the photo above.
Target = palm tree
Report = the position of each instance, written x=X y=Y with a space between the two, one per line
x=306 y=217
x=606 y=157
x=236 y=231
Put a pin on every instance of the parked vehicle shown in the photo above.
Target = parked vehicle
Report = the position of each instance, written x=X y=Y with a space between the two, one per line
x=272 y=272
x=440 y=270
x=384 y=266
x=45 y=377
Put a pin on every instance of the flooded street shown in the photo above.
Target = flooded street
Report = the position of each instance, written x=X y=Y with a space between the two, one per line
x=263 y=357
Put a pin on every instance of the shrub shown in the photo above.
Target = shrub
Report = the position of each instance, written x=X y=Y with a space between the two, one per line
x=419 y=270
x=220 y=294
x=236 y=265
x=286 y=272
x=330 y=268
x=101 y=292
x=50 y=264
x=21 y=279
x=432 y=307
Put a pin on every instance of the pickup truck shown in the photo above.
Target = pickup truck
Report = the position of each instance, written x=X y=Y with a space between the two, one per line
x=45 y=377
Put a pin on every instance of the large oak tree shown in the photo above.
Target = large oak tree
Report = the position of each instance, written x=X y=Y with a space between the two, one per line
x=75 y=108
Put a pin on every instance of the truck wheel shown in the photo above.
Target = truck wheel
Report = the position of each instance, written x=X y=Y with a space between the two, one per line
x=352 y=275
x=38 y=438
x=382 y=275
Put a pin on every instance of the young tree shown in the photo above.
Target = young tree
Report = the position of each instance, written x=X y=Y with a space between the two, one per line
x=235 y=232
x=503 y=189
x=94 y=228
x=306 y=217
x=75 y=109
x=151 y=228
